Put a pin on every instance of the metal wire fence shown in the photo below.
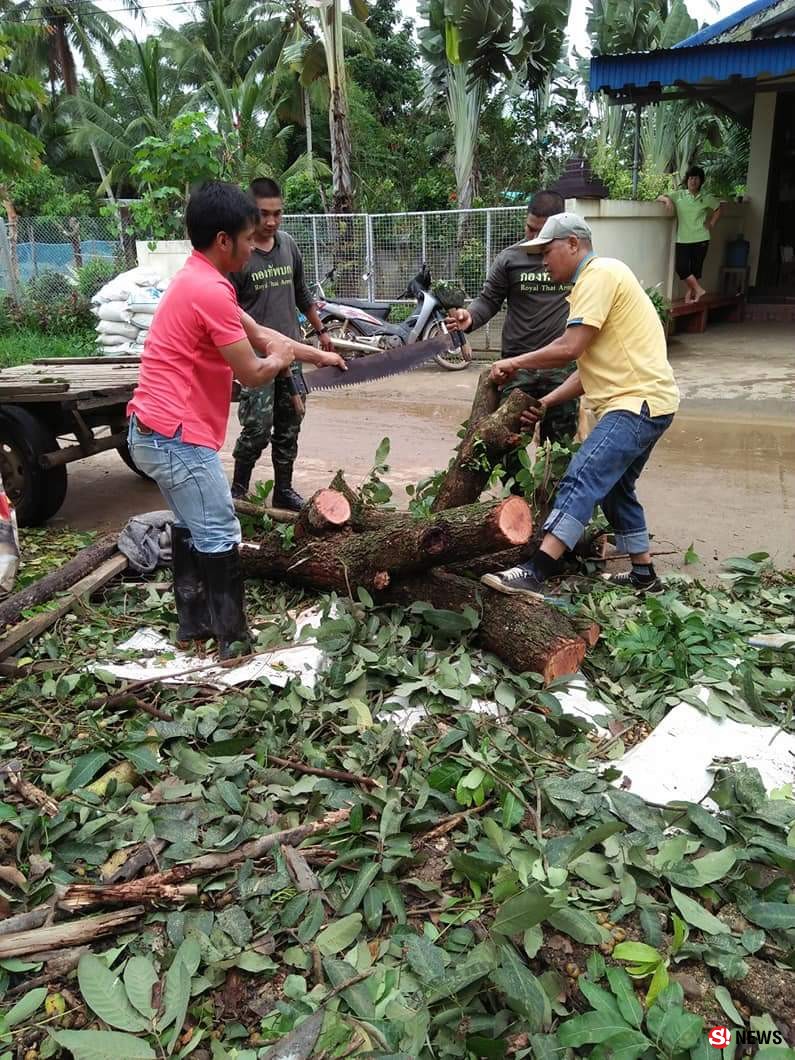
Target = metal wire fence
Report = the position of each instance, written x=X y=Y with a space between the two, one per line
x=33 y=247
x=373 y=256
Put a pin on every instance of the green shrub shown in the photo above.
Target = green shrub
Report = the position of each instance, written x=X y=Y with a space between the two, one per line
x=6 y=315
x=51 y=305
x=660 y=303
x=93 y=276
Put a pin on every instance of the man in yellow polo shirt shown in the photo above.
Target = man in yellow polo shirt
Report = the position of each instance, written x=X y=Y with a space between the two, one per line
x=615 y=336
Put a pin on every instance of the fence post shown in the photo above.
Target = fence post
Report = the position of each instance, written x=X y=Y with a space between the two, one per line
x=8 y=263
x=369 y=250
x=127 y=239
x=424 y=239
x=33 y=268
x=488 y=266
x=314 y=248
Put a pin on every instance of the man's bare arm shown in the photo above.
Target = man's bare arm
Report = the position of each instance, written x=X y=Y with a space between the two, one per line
x=252 y=370
x=266 y=339
x=572 y=344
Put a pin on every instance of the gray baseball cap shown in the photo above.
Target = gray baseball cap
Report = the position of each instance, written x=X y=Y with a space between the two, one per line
x=560 y=226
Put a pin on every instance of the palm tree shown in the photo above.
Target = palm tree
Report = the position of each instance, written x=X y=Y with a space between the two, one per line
x=305 y=43
x=207 y=42
x=472 y=45
x=73 y=31
x=140 y=96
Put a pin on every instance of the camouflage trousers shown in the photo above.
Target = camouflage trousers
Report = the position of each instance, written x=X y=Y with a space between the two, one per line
x=267 y=415
x=560 y=422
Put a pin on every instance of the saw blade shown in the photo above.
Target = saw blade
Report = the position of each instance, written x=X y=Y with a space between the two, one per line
x=377 y=365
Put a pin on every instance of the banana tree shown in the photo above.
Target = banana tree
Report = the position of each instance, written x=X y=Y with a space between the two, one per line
x=470 y=46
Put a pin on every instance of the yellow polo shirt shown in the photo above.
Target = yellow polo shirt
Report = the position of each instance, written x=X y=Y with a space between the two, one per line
x=627 y=362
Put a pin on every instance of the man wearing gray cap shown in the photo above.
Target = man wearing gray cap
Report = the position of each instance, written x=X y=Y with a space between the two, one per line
x=616 y=338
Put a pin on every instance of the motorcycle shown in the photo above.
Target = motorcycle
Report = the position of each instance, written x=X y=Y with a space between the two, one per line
x=358 y=327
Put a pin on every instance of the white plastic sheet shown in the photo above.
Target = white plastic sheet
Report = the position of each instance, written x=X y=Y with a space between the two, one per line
x=672 y=763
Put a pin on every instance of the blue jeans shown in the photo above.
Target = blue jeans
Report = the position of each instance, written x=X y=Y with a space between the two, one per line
x=193 y=484
x=604 y=471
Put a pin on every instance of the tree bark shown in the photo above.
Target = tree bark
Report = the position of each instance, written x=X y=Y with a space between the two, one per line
x=326 y=510
x=486 y=440
x=340 y=127
x=373 y=559
x=86 y=561
x=12 y=772
x=57 y=936
x=527 y=634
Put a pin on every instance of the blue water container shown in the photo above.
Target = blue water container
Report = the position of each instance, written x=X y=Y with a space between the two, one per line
x=737 y=253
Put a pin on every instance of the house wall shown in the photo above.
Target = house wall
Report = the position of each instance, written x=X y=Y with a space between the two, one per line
x=758 y=171
x=643 y=234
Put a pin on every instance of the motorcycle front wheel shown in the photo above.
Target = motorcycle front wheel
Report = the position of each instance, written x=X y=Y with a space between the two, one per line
x=454 y=360
x=338 y=329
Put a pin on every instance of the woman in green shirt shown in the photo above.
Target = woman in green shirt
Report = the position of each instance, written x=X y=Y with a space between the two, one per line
x=696 y=214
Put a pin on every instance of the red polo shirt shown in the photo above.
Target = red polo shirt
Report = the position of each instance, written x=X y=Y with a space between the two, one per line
x=184 y=381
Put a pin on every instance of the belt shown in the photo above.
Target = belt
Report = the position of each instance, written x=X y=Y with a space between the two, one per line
x=141 y=427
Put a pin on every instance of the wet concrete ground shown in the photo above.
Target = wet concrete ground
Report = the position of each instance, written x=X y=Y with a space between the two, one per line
x=722 y=478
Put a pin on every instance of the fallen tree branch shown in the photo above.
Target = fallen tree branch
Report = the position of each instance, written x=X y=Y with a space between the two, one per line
x=150 y=888
x=20 y=634
x=12 y=772
x=38 y=592
x=491 y=437
x=449 y=824
x=127 y=699
x=278 y=515
x=79 y=896
x=71 y=933
x=329 y=774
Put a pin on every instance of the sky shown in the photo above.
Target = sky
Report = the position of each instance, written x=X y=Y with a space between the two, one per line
x=702 y=10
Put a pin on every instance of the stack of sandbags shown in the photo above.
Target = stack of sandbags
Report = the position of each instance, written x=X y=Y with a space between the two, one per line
x=124 y=308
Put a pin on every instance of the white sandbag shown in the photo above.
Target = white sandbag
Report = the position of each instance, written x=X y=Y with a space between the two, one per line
x=112 y=327
x=143 y=300
x=123 y=285
x=112 y=311
x=143 y=321
x=112 y=341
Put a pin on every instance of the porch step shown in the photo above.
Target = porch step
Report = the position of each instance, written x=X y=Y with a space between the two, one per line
x=696 y=314
x=777 y=311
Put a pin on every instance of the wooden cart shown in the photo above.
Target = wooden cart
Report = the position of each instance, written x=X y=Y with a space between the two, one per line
x=48 y=399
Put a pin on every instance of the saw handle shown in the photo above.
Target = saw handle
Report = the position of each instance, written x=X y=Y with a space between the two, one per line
x=297 y=391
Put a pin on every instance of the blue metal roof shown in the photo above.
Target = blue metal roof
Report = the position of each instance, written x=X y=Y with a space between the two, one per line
x=694 y=65
x=729 y=22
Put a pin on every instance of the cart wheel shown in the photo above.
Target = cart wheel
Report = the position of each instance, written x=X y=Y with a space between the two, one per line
x=35 y=493
x=124 y=453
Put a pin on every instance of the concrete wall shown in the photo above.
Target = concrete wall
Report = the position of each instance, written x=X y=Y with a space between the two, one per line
x=758 y=171
x=167 y=256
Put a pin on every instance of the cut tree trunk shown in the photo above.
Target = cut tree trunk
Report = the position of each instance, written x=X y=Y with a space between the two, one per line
x=325 y=510
x=492 y=437
x=374 y=558
x=527 y=634
x=86 y=561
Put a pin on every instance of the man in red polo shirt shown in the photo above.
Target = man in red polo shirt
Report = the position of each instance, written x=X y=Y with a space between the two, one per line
x=199 y=341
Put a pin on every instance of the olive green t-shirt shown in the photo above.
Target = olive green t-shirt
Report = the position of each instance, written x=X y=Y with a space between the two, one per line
x=692 y=214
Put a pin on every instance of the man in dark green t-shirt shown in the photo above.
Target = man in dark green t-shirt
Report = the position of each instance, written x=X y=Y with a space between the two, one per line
x=272 y=289
x=537 y=314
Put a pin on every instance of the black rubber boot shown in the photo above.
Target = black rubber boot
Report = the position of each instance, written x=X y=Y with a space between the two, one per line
x=241 y=479
x=190 y=591
x=225 y=595
x=284 y=496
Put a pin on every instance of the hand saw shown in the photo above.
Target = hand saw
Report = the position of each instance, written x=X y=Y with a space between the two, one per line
x=377 y=365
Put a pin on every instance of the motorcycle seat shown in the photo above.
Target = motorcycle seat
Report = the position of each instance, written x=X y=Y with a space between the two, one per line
x=376 y=308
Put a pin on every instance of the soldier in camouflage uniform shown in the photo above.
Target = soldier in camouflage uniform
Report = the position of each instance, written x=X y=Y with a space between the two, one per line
x=271 y=289
x=537 y=314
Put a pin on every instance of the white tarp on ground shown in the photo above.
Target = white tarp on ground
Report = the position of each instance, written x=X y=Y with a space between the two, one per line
x=672 y=763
